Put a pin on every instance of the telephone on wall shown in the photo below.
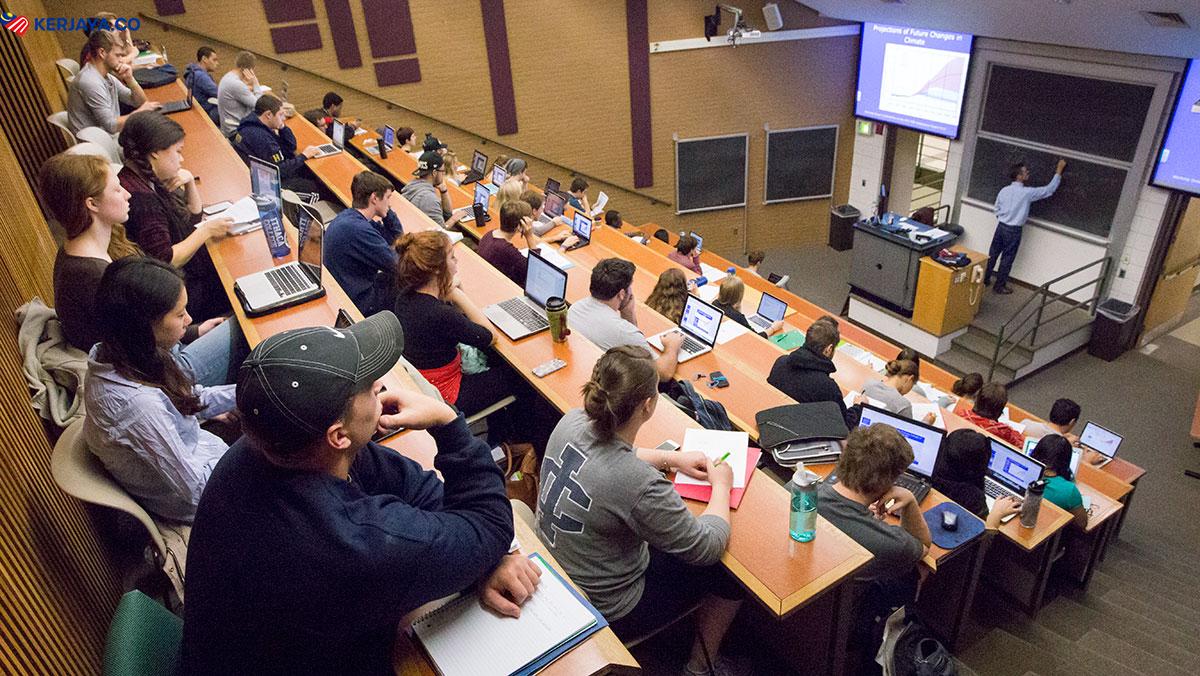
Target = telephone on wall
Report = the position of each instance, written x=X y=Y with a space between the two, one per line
x=976 y=284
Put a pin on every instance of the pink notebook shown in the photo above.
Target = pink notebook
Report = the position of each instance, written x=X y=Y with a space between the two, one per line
x=704 y=493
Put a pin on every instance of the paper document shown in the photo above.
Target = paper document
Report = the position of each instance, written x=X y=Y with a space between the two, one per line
x=921 y=410
x=601 y=202
x=148 y=59
x=729 y=330
x=551 y=253
x=708 y=293
x=714 y=444
x=463 y=638
x=851 y=396
x=241 y=211
x=713 y=275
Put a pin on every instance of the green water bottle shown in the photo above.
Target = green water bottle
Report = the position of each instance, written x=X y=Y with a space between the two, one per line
x=803 y=523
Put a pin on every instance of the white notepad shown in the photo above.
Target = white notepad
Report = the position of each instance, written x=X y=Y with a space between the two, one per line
x=921 y=410
x=465 y=639
x=714 y=444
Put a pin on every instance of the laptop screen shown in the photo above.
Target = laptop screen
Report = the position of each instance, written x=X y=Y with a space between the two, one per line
x=552 y=186
x=771 y=308
x=701 y=320
x=543 y=280
x=1013 y=468
x=925 y=441
x=389 y=137
x=555 y=203
x=311 y=247
x=482 y=196
x=478 y=163
x=498 y=175
x=582 y=225
x=1100 y=439
x=264 y=180
x=339 y=133
x=699 y=241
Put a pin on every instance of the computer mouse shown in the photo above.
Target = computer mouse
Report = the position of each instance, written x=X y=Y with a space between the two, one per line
x=949 y=520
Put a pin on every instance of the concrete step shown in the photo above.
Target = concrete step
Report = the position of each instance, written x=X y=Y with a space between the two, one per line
x=1132 y=658
x=999 y=653
x=1073 y=620
x=1101 y=611
x=983 y=344
x=1173 y=585
x=962 y=361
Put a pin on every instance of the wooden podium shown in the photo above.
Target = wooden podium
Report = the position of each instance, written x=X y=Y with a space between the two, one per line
x=948 y=298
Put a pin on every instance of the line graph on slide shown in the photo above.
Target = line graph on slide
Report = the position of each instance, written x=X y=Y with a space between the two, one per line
x=923 y=83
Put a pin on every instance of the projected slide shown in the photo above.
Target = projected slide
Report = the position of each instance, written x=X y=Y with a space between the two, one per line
x=913 y=77
x=1178 y=166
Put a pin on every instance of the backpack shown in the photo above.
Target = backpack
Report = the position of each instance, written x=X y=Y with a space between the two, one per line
x=150 y=78
x=710 y=414
x=909 y=649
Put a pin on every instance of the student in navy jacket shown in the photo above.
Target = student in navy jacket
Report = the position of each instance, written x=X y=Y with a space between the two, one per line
x=310 y=541
x=198 y=76
x=358 y=244
x=264 y=134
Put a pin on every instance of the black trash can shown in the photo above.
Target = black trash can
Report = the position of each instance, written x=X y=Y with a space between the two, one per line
x=841 y=226
x=1114 y=330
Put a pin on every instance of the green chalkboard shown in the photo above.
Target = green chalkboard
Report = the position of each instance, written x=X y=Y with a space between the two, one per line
x=1086 y=200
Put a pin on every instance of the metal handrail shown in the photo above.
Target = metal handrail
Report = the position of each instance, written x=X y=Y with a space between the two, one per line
x=1044 y=296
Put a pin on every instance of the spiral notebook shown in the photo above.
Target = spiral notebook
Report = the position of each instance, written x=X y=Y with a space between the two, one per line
x=463 y=638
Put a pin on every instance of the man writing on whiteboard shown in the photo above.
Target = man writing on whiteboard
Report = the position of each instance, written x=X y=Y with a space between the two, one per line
x=1012 y=210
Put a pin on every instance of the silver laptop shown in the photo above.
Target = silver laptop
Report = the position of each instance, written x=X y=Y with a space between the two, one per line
x=699 y=241
x=291 y=283
x=480 y=202
x=1009 y=473
x=700 y=324
x=553 y=208
x=1105 y=442
x=770 y=310
x=526 y=315
x=498 y=176
x=339 y=140
x=1076 y=454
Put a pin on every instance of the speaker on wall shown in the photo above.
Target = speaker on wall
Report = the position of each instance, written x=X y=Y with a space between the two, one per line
x=772 y=16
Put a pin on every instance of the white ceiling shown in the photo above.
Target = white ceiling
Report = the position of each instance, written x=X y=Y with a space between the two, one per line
x=1112 y=25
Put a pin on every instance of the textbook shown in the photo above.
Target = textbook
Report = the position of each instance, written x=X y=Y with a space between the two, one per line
x=462 y=638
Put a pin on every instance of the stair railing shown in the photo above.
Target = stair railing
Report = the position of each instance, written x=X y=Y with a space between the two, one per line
x=1043 y=296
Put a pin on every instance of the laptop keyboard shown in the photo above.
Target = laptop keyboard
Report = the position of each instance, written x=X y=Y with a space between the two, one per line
x=691 y=345
x=520 y=311
x=918 y=488
x=288 y=281
x=993 y=489
x=327 y=148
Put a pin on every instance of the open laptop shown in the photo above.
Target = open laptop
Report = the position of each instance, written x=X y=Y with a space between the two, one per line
x=1009 y=472
x=1103 y=441
x=478 y=166
x=770 y=310
x=479 y=205
x=338 y=134
x=581 y=227
x=699 y=241
x=552 y=187
x=553 y=207
x=498 y=176
x=180 y=105
x=925 y=440
x=289 y=284
x=1076 y=454
x=700 y=324
x=526 y=315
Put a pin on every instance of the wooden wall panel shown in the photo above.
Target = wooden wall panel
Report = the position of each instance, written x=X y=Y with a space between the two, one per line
x=571 y=86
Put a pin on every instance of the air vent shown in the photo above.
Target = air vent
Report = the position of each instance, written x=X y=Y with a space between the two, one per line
x=1164 y=19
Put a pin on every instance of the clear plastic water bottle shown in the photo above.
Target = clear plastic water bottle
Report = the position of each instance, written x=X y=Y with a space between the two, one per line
x=803 y=523
x=272 y=226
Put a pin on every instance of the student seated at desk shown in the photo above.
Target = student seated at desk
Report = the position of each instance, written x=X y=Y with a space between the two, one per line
x=330 y=110
x=510 y=191
x=608 y=316
x=670 y=294
x=165 y=207
x=358 y=244
x=91 y=206
x=264 y=134
x=429 y=192
x=238 y=92
x=311 y=541
x=966 y=389
x=1064 y=415
x=755 y=259
x=1055 y=452
x=618 y=526
x=729 y=301
x=960 y=468
x=498 y=246
x=104 y=82
x=405 y=138
x=518 y=170
x=577 y=195
x=537 y=203
x=437 y=316
x=805 y=373
x=612 y=218
x=433 y=145
x=199 y=76
x=899 y=377
x=686 y=255
x=989 y=406
x=143 y=408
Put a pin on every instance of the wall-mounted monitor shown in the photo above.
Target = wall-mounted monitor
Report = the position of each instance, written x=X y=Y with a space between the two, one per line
x=913 y=77
x=1178 y=165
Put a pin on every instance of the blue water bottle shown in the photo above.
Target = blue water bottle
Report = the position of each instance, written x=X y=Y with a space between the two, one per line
x=803 y=486
x=272 y=226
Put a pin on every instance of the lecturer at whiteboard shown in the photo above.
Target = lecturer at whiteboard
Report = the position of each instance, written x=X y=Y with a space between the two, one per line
x=1012 y=210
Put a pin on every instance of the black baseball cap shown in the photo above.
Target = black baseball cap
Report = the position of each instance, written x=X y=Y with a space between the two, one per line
x=295 y=384
x=431 y=143
x=430 y=162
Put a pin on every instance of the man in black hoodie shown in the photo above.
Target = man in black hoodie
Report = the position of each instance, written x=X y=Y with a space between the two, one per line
x=804 y=373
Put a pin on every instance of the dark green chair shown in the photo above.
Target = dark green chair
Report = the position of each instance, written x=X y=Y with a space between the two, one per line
x=143 y=639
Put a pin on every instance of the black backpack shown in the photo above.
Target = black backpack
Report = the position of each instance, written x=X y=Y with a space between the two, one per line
x=710 y=414
x=150 y=78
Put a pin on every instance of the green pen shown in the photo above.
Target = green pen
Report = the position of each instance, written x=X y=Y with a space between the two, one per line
x=722 y=458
